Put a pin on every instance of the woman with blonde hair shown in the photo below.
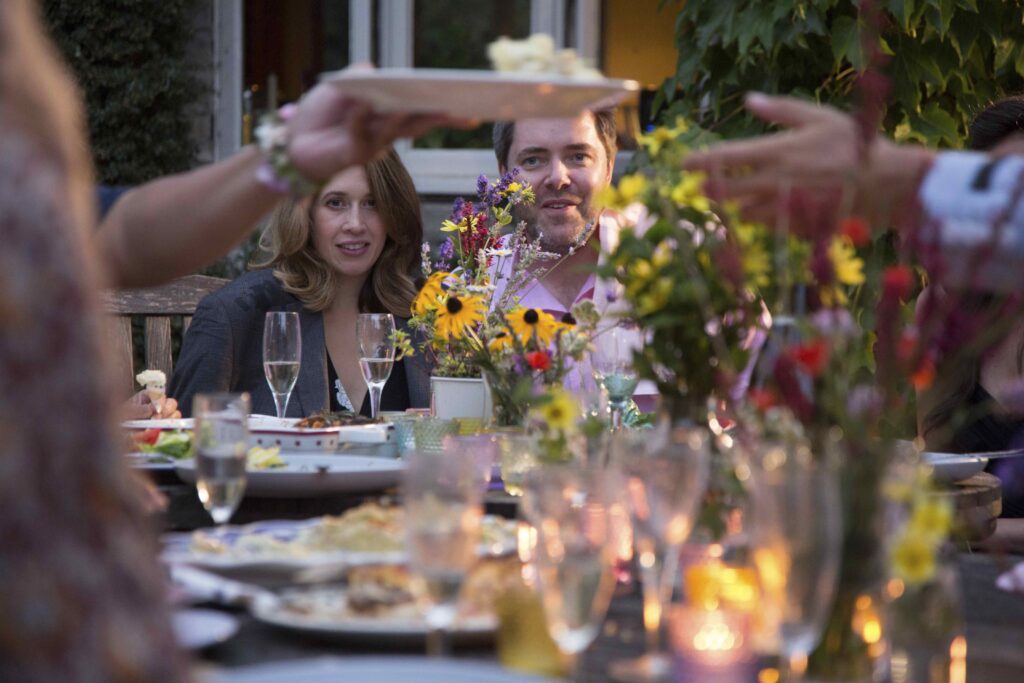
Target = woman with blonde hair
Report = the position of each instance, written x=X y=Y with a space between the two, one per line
x=354 y=248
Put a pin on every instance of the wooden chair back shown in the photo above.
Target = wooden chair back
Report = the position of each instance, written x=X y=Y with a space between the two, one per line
x=157 y=306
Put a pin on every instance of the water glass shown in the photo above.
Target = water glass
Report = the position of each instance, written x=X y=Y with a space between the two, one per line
x=282 y=353
x=666 y=471
x=797 y=535
x=443 y=503
x=573 y=508
x=375 y=333
x=221 y=443
x=518 y=454
x=612 y=362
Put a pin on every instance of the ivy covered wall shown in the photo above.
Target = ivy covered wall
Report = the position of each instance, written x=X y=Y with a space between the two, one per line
x=130 y=60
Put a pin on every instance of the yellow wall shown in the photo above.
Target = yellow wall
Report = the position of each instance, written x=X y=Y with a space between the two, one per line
x=638 y=40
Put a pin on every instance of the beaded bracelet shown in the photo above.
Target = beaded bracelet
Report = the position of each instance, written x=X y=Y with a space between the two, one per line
x=277 y=171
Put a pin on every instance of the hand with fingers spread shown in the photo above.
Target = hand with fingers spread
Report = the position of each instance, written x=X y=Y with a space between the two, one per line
x=819 y=152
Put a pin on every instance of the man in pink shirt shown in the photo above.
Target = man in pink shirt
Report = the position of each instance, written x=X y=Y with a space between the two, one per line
x=568 y=162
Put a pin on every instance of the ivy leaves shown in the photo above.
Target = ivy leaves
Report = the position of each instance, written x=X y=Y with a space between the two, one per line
x=948 y=59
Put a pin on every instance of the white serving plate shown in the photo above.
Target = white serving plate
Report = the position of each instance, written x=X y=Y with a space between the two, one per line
x=376 y=669
x=195 y=629
x=483 y=95
x=180 y=423
x=949 y=468
x=380 y=630
x=307 y=475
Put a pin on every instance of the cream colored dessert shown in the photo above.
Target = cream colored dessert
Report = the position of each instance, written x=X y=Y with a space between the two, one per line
x=155 y=383
x=537 y=55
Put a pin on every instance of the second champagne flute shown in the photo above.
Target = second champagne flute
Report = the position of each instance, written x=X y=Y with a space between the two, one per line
x=221 y=443
x=375 y=333
x=282 y=353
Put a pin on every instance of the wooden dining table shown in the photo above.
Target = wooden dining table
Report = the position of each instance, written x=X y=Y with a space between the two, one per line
x=994 y=618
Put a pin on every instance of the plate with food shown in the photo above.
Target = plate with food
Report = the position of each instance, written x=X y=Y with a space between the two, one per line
x=368 y=534
x=480 y=94
x=318 y=432
x=390 y=669
x=385 y=602
x=299 y=475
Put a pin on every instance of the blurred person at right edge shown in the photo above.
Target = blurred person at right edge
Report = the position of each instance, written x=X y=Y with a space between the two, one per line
x=969 y=407
x=82 y=597
x=964 y=205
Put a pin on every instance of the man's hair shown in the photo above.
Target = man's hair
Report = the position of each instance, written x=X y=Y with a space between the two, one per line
x=604 y=123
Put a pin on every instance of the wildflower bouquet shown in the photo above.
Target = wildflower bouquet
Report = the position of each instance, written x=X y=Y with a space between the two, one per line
x=471 y=326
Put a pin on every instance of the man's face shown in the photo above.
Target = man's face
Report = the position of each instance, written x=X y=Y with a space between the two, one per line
x=565 y=162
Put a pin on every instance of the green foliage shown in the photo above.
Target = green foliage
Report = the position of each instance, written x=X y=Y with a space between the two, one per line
x=948 y=59
x=129 y=58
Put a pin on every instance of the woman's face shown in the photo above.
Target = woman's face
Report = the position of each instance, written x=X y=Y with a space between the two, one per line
x=348 y=232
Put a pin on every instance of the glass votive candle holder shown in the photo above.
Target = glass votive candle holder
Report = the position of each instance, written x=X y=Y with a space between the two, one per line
x=405 y=439
x=711 y=645
x=429 y=433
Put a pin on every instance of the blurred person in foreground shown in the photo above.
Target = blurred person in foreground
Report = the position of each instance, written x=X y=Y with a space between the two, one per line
x=82 y=597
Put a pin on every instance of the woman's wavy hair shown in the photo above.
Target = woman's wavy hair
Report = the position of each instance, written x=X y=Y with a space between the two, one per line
x=288 y=244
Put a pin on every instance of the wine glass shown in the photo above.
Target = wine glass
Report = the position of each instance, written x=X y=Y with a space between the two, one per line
x=282 y=353
x=797 y=536
x=573 y=508
x=221 y=442
x=375 y=332
x=443 y=498
x=666 y=471
x=612 y=363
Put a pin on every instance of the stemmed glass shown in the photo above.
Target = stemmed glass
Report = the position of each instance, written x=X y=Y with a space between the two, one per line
x=375 y=332
x=282 y=353
x=442 y=495
x=574 y=509
x=612 y=362
x=221 y=443
x=797 y=535
x=666 y=472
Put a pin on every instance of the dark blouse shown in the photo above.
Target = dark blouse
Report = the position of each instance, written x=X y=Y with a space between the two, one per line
x=395 y=395
x=989 y=430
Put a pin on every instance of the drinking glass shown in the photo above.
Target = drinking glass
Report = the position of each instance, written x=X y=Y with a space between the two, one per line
x=797 y=535
x=282 y=352
x=375 y=332
x=573 y=509
x=665 y=471
x=518 y=457
x=221 y=442
x=612 y=362
x=443 y=498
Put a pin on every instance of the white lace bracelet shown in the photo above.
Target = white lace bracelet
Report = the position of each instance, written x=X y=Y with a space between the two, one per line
x=277 y=171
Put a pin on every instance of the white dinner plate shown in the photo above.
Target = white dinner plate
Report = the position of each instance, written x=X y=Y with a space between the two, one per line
x=484 y=95
x=195 y=629
x=313 y=475
x=332 y=619
x=180 y=423
x=953 y=467
x=251 y=548
x=151 y=461
x=246 y=558
x=376 y=669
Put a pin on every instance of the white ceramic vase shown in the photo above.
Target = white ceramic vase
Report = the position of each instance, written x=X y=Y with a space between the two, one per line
x=453 y=397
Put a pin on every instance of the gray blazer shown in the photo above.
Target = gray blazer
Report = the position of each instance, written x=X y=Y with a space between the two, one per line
x=223 y=350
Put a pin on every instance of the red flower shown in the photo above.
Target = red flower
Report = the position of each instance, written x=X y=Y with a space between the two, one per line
x=856 y=229
x=811 y=357
x=763 y=399
x=538 y=360
x=897 y=282
x=923 y=377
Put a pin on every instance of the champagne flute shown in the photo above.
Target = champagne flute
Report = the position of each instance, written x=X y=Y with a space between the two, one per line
x=666 y=471
x=443 y=500
x=797 y=534
x=612 y=363
x=282 y=352
x=375 y=332
x=221 y=443
x=573 y=509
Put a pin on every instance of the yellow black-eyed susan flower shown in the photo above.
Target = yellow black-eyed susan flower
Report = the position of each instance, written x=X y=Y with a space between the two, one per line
x=429 y=297
x=560 y=412
x=526 y=322
x=457 y=313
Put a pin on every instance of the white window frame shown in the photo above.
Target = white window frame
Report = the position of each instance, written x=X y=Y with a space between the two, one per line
x=435 y=171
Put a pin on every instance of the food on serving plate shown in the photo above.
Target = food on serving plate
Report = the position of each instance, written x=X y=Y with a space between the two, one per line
x=343 y=418
x=371 y=527
x=537 y=54
x=379 y=590
x=176 y=444
x=264 y=458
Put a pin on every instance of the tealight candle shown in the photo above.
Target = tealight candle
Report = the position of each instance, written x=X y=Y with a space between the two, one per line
x=711 y=645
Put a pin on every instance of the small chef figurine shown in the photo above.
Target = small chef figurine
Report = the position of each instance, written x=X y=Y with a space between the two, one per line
x=155 y=382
